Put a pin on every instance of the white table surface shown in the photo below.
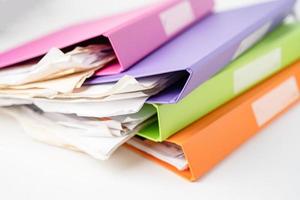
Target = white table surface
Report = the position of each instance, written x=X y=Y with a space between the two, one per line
x=266 y=167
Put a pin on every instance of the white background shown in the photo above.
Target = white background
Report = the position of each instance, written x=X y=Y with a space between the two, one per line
x=266 y=167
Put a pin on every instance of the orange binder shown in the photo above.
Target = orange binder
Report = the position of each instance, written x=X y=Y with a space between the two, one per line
x=209 y=140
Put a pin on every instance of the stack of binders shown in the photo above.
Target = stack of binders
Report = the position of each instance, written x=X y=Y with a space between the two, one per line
x=175 y=82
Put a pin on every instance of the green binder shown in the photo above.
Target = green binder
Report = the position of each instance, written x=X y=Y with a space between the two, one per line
x=275 y=52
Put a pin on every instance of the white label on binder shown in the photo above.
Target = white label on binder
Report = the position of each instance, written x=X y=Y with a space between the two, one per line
x=252 y=39
x=275 y=101
x=257 y=70
x=177 y=17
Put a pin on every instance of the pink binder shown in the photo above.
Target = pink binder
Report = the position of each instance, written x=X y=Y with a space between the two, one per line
x=132 y=35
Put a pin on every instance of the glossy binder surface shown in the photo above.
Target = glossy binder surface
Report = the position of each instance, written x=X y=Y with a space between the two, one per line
x=276 y=51
x=210 y=140
x=207 y=47
x=125 y=32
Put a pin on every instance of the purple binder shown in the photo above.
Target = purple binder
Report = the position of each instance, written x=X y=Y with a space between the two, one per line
x=206 y=48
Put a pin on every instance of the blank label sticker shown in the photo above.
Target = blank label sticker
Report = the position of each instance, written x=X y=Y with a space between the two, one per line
x=177 y=17
x=275 y=101
x=257 y=70
x=252 y=39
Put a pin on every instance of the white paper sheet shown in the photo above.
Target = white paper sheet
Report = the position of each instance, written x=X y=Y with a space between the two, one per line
x=56 y=64
x=167 y=152
x=93 y=108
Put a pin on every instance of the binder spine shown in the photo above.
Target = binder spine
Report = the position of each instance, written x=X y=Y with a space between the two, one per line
x=262 y=63
x=138 y=38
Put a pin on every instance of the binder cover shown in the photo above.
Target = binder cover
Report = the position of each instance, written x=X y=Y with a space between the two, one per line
x=208 y=141
x=125 y=32
x=279 y=49
x=276 y=51
x=207 y=47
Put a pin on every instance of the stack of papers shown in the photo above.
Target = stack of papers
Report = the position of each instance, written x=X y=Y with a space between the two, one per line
x=98 y=137
x=95 y=119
